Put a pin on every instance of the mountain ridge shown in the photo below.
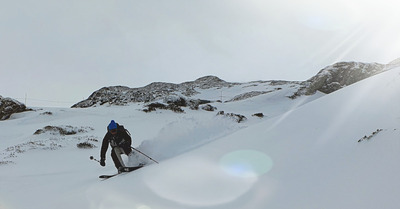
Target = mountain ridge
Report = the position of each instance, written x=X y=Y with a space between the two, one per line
x=327 y=80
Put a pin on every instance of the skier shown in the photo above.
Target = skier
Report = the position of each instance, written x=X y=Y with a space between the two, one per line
x=120 y=141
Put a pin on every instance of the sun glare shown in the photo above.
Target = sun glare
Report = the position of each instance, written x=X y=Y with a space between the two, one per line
x=355 y=30
x=328 y=16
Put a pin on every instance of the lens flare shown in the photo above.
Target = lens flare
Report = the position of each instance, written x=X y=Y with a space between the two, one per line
x=144 y=207
x=199 y=183
x=246 y=163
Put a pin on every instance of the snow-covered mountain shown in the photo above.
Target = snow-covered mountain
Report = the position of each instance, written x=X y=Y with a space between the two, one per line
x=193 y=90
x=337 y=150
x=328 y=80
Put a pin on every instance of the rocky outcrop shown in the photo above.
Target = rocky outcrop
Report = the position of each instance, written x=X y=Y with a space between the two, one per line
x=10 y=106
x=339 y=75
x=122 y=95
x=248 y=95
x=236 y=117
x=175 y=104
x=393 y=64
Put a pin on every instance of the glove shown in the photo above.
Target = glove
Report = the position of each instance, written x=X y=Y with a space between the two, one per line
x=103 y=162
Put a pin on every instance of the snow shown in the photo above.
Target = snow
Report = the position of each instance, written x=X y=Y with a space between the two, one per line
x=305 y=154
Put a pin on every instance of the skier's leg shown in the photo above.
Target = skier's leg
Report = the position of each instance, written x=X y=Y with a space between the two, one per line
x=119 y=152
x=116 y=156
x=131 y=158
x=127 y=150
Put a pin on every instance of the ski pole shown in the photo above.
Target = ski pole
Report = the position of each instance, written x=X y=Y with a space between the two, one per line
x=92 y=158
x=144 y=155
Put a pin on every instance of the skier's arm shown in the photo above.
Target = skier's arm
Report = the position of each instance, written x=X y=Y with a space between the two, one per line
x=128 y=139
x=104 y=147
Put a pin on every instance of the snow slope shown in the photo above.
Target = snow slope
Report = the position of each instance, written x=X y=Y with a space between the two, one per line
x=311 y=155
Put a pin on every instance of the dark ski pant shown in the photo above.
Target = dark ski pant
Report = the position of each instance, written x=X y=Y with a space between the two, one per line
x=116 y=153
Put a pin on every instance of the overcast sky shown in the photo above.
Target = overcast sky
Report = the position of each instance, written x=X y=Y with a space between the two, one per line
x=62 y=51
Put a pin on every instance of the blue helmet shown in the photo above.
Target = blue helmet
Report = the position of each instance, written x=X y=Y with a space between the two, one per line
x=112 y=125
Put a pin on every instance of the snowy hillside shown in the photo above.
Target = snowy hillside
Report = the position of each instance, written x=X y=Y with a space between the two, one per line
x=339 y=150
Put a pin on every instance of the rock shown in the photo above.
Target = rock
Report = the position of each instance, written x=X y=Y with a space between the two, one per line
x=154 y=106
x=208 y=107
x=10 y=106
x=62 y=130
x=248 y=95
x=237 y=117
x=339 y=75
x=260 y=115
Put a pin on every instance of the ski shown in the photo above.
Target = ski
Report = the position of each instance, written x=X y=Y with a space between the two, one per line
x=107 y=176
x=123 y=170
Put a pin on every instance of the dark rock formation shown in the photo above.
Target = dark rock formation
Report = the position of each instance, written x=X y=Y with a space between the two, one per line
x=339 y=75
x=10 y=106
x=122 y=95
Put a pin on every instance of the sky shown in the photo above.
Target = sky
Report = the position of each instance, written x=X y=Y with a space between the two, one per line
x=56 y=53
